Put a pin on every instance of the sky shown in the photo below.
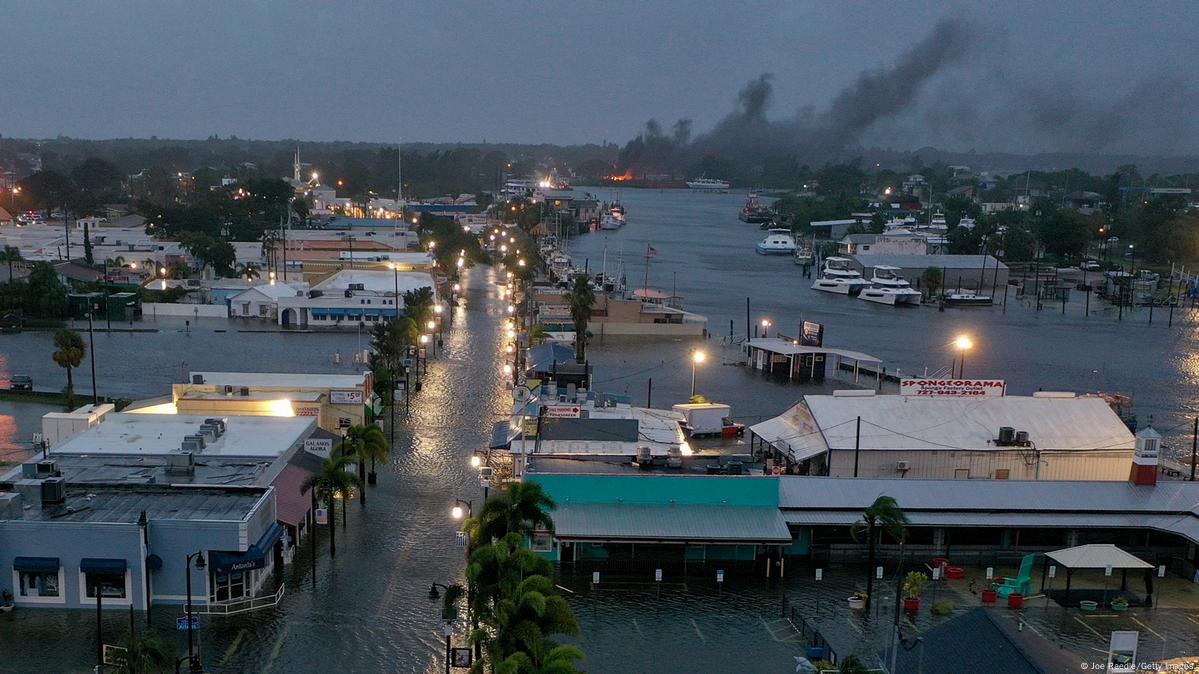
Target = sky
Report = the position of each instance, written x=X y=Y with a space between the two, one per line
x=1034 y=76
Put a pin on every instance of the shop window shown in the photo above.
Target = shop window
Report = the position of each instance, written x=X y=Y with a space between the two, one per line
x=228 y=588
x=39 y=584
x=111 y=585
x=542 y=542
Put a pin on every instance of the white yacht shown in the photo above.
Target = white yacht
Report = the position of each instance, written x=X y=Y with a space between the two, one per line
x=968 y=300
x=708 y=185
x=837 y=275
x=888 y=287
x=777 y=242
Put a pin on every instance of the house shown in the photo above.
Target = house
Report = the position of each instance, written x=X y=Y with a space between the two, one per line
x=353 y=297
x=262 y=301
x=892 y=242
x=963 y=191
x=5 y=217
x=1083 y=202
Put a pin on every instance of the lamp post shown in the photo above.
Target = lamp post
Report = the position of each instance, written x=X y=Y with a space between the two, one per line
x=963 y=343
x=456 y=512
x=395 y=274
x=766 y=327
x=696 y=358
x=449 y=625
x=193 y=665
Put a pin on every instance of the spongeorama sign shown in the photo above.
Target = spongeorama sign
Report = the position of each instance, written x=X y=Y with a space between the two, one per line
x=970 y=388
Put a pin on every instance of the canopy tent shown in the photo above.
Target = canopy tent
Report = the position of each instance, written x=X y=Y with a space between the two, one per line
x=1098 y=556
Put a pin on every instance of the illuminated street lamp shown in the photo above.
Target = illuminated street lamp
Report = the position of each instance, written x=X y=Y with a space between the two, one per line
x=697 y=357
x=457 y=512
x=962 y=343
x=521 y=262
x=457 y=288
x=766 y=327
x=504 y=248
x=461 y=263
x=437 y=309
x=476 y=461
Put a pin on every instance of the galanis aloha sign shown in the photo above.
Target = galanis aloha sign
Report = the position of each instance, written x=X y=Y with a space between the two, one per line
x=974 y=388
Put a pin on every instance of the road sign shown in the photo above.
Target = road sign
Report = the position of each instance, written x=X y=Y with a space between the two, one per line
x=115 y=655
x=461 y=657
x=562 y=411
x=1052 y=571
x=720 y=575
x=819 y=574
x=658 y=575
x=181 y=623
x=595 y=577
x=460 y=538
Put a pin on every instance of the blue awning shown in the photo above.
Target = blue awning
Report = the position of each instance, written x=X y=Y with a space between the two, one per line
x=254 y=558
x=273 y=533
x=98 y=565
x=35 y=563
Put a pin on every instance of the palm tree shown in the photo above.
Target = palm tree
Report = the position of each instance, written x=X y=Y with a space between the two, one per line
x=581 y=298
x=10 y=254
x=362 y=443
x=520 y=508
x=178 y=270
x=335 y=477
x=114 y=262
x=249 y=270
x=523 y=618
x=150 y=653
x=886 y=515
x=69 y=353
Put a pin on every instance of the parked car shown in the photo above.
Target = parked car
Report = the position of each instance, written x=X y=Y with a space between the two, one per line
x=1089 y=265
x=21 y=382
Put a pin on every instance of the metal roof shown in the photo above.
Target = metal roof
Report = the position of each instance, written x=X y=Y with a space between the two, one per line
x=973 y=262
x=132 y=470
x=609 y=430
x=159 y=434
x=939 y=422
x=263 y=380
x=790 y=348
x=662 y=522
x=794 y=432
x=1097 y=556
x=123 y=504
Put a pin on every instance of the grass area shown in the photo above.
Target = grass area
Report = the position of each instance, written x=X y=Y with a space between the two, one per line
x=47 y=397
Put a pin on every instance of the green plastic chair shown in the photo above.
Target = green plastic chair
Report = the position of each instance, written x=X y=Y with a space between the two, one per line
x=1022 y=583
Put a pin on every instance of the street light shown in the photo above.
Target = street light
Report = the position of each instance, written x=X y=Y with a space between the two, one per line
x=766 y=327
x=475 y=461
x=696 y=358
x=456 y=512
x=193 y=665
x=437 y=309
x=963 y=343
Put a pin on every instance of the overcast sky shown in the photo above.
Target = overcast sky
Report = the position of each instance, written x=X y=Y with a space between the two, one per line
x=1039 y=76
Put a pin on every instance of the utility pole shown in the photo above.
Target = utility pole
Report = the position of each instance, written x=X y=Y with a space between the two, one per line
x=857 y=442
x=1194 y=447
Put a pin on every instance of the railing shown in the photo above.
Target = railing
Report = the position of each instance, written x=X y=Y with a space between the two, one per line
x=811 y=635
x=243 y=605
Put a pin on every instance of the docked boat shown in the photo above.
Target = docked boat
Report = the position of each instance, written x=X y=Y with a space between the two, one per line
x=804 y=254
x=838 y=276
x=888 y=287
x=708 y=185
x=778 y=242
x=753 y=211
x=968 y=300
x=609 y=223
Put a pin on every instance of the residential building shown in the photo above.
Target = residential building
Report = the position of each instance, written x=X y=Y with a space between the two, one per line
x=983 y=273
x=352 y=298
x=262 y=300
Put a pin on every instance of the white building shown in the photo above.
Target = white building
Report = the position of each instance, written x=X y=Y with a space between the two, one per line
x=1068 y=437
x=352 y=297
x=262 y=301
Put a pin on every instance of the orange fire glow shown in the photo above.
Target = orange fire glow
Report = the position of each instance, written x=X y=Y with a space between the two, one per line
x=627 y=175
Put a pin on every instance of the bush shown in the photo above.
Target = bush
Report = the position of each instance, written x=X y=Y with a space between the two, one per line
x=942 y=607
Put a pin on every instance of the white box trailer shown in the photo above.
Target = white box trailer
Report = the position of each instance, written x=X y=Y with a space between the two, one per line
x=703 y=419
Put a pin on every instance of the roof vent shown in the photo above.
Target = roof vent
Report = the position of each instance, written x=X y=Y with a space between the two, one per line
x=197 y=379
x=54 y=490
x=183 y=463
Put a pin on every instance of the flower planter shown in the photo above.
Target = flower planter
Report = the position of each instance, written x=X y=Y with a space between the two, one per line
x=857 y=604
x=1087 y=606
x=1119 y=606
x=955 y=572
x=989 y=596
x=1015 y=600
x=911 y=603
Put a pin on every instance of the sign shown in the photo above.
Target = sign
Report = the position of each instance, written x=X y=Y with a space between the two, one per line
x=484 y=482
x=1052 y=571
x=322 y=516
x=307 y=410
x=461 y=657
x=878 y=572
x=658 y=575
x=562 y=411
x=115 y=655
x=181 y=623
x=460 y=538
x=970 y=388
x=595 y=577
x=322 y=447
x=1122 y=651
x=819 y=574
x=720 y=575
x=529 y=428
x=811 y=334
x=991 y=571
x=1107 y=570
x=353 y=397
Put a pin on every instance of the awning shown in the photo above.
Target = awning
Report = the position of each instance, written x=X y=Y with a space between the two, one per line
x=35 y=563
x=291 y=506
x=670 y=523
x=99 y=565
x=255 y=558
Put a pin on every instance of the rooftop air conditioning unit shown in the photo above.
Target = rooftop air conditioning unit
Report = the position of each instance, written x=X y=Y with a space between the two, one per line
x=190 y=446
x=245 y=390
x=183 y=463
x=1022 y=438
x=197 y=438
x=54 y=490
x=197 y=379
x=49 y=467
x=349 y=292
x=1007 y=436
x=903 y=466
x=228 y=389
x=219 y=422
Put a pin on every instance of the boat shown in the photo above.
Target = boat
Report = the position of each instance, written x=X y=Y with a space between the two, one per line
x=609 y=223
x=777 y=242
x=708 y=185
x=837 y=275
x=753 y=211
x=804 y=255
x=888 y=287
x=968 y=300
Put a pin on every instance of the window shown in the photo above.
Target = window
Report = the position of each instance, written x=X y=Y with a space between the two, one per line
x=961 y=474
x=232 y=586
x=1002 y=473
x=38 y=584
x=110 y=584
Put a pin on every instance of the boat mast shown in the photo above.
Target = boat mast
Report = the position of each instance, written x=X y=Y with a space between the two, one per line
x=399 y=181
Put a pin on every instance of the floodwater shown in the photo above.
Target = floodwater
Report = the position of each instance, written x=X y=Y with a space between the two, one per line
x=706 y=255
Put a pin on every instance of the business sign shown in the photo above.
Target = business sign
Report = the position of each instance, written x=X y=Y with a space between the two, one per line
x=322 y=516
x=353 y=397
x=811 y=334
x=1122 y=651
x=117 y=656
x=181 y=623
x=562 y=411
x=322 y=447
x=966 y=388
x=307 y=410
x=461 y=657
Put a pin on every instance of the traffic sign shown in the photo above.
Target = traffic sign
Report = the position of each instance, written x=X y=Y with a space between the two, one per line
x=181 y=623
x=562 y=411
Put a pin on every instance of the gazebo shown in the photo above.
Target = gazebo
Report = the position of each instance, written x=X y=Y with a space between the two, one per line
x=1096 y=556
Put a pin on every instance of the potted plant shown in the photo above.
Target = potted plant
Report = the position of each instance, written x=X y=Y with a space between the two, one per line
x=858 y=601
x=6 y=603
x=1120 y=604
x=913 y=585
x=989 y=595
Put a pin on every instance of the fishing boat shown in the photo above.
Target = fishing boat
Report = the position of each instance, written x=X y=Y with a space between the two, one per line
x=708 y=185
x=804 y=254
x=888 y=287
x=838 y=276
x=968 y=300
x=778 y=242
x=753 y=211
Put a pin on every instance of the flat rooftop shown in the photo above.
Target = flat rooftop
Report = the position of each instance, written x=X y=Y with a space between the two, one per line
x=256 y=396
x=151 y=470
x=281 y=379
x=124 y=504
x=382 y=282
x=161 y=434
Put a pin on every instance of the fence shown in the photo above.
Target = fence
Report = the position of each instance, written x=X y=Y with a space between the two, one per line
x=156 y=309
x=243 y=605
x=812 y=637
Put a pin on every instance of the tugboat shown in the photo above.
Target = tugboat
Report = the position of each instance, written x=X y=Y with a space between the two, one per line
x=753 y=211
